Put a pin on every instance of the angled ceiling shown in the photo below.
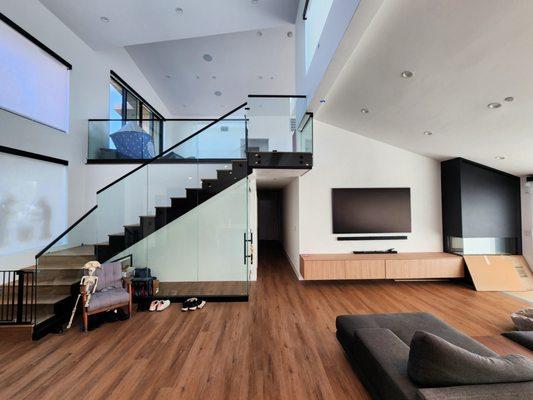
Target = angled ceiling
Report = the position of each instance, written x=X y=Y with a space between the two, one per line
x=145 y=21
x=464 y=55
x=249 y=43
x=241 y=63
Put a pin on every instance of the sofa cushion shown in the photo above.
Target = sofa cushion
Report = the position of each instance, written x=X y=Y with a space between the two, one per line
x=495 y=391
x=108 y=299
x=523 y=338
x=384 y=358
x=404 y=325
x=434 y=362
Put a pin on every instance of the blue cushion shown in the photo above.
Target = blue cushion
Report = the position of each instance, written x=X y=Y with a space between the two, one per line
x=132 y=142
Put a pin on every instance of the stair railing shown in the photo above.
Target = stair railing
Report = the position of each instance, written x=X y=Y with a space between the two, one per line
x=84 y=220
x=18 y=297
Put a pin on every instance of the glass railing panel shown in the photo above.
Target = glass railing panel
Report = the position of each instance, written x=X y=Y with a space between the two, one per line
x=273 y=123
x=304 y=135
x=80 y=239
x=123 y=216
x=124 y=139
x=223 y=224
x=183 y=197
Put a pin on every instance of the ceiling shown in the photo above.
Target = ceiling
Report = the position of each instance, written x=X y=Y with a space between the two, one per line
x=145 y=21
x=250 y=44
x=242 y=63
x=464 y=55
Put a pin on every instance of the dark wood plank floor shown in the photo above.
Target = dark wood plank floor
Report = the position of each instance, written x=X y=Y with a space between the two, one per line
x=279 y=345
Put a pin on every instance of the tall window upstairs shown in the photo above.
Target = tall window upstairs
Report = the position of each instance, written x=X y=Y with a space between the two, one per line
x=133 y=131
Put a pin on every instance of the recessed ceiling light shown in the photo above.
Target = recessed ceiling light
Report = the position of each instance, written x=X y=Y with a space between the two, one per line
x=218 y=93
x=494 y=105
x=509 y=99
x=179 y=10
x=190 y=177
x=407 y=74
x=364 y=111
x=207 y=57
x=214 y=77
x=168 y=76
x=197 y=76
x=104 y=19
x=184 y=105
x=499 y=158
x=260 y=77
x=428 y=133
x=322 y=101
x=271 y=78
x=259 y=33
x=289 y=34
x=255 y=1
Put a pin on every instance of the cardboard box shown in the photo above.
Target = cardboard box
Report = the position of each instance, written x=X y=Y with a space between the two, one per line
x=500 y=273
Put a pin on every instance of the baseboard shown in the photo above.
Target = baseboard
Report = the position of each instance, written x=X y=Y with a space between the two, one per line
x=296 y=272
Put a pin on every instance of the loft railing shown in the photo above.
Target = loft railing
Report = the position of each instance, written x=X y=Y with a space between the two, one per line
x=18 y=297
x=136 y=141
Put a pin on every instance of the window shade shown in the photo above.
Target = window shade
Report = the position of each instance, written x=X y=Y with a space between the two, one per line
x=33 y=83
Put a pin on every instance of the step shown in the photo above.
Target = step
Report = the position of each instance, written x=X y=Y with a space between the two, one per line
x=51 y=275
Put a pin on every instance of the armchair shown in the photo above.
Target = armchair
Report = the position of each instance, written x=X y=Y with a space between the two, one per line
x=112 y=291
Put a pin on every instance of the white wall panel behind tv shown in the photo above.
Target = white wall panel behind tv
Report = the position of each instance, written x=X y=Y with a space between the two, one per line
x=33 y=203
x=33 y=84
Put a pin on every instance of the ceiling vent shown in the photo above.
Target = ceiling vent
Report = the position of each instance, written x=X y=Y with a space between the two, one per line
x=224 y=128
x=293 y=124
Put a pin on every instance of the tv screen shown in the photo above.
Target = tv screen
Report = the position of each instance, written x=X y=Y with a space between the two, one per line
x=371 y=210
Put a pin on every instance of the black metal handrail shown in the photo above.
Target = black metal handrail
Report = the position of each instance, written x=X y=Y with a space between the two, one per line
x=171 y=148
x=159 y=156
x=18 y=297
x=62 y=235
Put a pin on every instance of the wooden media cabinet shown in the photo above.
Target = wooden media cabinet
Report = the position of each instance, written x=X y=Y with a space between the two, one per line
x=381 y=266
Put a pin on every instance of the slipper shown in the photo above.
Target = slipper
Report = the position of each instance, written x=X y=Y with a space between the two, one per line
x=163 y=305
x=153 y=305
x=187 y=304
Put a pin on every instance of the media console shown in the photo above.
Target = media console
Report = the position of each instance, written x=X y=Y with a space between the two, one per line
x=381 y=266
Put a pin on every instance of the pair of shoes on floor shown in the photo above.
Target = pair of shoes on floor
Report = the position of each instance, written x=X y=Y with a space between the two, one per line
x=192 y=304
x=159 y=305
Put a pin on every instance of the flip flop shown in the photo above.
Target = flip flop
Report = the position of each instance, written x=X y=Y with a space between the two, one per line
x=153 y=305
x=163 y=305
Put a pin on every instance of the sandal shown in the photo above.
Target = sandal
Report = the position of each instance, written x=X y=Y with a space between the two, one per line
x=163 y=305
x=153 y=305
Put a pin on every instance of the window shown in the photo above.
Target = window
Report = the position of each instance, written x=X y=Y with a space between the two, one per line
x=34 y=79
x=316 y=15
x=126 y=104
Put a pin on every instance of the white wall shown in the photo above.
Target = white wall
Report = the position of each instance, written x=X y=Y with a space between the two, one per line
x=527 y=220
x=89 y=80
x=345 y=159
x=291 y=223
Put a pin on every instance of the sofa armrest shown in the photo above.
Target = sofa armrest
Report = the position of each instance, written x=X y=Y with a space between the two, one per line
x=493 y=391
x=383 y=358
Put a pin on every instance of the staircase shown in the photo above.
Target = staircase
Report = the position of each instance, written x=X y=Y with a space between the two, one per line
x=60 y=272
x=197 y=244
x=148 y=224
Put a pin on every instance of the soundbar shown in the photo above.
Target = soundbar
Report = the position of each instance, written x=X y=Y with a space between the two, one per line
x=342 y=238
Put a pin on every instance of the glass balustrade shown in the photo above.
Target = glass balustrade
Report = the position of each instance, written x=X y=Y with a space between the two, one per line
x=186 y=221
x=141 y=140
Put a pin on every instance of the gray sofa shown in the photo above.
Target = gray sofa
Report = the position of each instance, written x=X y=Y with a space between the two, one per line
x=378 y=348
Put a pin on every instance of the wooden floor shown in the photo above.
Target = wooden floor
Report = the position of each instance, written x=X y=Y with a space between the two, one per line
x=279 y=345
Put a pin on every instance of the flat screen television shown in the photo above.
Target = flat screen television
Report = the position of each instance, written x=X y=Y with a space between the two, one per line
x=371 y=210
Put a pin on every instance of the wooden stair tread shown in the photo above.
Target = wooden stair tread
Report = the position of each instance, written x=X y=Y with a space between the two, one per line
x=50 y=298
x=86 y=250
